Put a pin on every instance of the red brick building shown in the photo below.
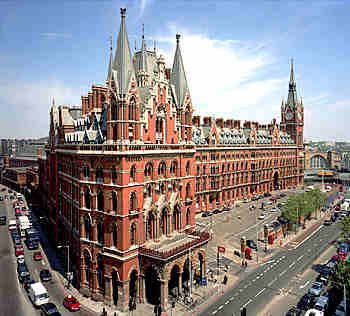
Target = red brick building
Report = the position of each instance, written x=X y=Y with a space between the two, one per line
x=126 y=173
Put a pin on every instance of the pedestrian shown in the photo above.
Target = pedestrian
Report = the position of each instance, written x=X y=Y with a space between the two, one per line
x=246 y=263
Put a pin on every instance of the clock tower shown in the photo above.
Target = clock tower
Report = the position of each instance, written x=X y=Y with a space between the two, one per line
x=292 y=113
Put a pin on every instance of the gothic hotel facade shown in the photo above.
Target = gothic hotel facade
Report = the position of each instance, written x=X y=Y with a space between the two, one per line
x=125 y=175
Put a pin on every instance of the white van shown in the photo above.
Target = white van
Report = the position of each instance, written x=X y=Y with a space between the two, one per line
x=38 y=294
x=314 y=312
x=12 y=224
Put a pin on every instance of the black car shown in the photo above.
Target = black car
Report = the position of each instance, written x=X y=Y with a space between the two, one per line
x=3 y=220
x=252 y=244
x=306 y=302
x=49 y=309
x=294 y=312
x=45 y=275
x=22 y=272
x=27 y=282
x=17 y=241
x=267 y=194
x=217 y=211
x=32 y=244
x=206 y=214
x=283 y=194
x=15 y=235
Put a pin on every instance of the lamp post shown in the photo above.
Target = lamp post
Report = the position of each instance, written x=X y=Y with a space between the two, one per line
x=69 y=277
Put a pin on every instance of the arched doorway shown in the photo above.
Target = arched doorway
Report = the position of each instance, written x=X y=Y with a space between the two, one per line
x=115 y=285
x=133 y=289
x=173 y=283
x=152 y=286
x=275 y=181
x=186 y=277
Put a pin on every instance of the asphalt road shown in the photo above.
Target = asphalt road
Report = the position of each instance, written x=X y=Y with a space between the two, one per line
x=260 y=285
x=17 y=302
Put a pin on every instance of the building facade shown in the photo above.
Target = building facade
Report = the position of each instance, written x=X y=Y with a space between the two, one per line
x=125 y=174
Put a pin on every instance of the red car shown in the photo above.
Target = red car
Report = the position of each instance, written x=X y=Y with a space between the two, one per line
x=37 y=256
x=19 y=250
x=71 y=303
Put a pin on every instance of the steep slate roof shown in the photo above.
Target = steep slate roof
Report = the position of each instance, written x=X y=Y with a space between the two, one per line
x=178 y=76
x=110 y=64
x=122 y=64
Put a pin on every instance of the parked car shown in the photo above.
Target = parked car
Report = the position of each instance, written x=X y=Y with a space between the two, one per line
x=22 y=272
x=27 y=282
x=294 y=312
x=17 y=240
x=316 y=288
x=283 y=194
x=216 y=211
x=71 y=303
x=327 y=222
x=45 y=275
x=274 y=210
x=267 y=194
x=340 y=311
x=19 y=250
x=306 y=302
x=226 y=209
x=252 y=244
x=20 y=259
x=37 y=256
x=49 y=309
x=321 y=304
x=324 y=275
x=246 y=200
x=3 y=220
x=32 y=244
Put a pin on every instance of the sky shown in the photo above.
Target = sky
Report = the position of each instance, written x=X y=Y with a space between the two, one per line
x=236 y=55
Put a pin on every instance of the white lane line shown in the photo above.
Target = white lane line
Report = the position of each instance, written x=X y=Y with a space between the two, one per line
x=220 y=307
x=272 y=282
x=240 y=290
x=292 y=264
x=283 y=272
x=261 y=274
x=262 y=290
x=245 y=305
x=258 y=277
x=299 y=258
x=231 y=299
x=308 y=237
x=214 y=312
x=245 y=286
x=304 y=285
x=227 y=302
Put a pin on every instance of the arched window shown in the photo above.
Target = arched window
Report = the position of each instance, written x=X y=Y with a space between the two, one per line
x=188 y=213
x=114 y=175
x=100 y=272
x=133 y=174
x=163 y=221
x=100 y=201
x=133 y=234
x=86 y=172
x=100 y=232
x=133 y=202
x=188 y=117
x=173 y=168
x=162 y=169
x=115 y=235
x=87 y=226
x=114 y=201
x=188 y=168
x=188 y=191
x=149 y=170
x=87 y=198
x=148 y=190
x=99 y=174
x=132 y=110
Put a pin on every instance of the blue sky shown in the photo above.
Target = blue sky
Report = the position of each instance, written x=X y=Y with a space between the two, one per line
x=236 y=55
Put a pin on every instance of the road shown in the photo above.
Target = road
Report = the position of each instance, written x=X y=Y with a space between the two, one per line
x=18 y=302
x=260 y=285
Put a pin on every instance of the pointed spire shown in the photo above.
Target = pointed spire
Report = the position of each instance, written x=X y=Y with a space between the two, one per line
x=143 y=64
x=123 y=68
x=110 y=64
x=178 y=75
x=292 y=99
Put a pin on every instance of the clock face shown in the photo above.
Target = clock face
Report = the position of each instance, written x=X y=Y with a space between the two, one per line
x=289 y=115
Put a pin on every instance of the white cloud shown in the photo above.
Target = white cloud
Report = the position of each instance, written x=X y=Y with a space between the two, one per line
x=223 y=76
x=53 y=35
x=25 y=106
x=142 y=6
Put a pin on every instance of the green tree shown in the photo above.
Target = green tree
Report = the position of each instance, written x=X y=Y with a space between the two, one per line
x=345 y=227
x=341 y=276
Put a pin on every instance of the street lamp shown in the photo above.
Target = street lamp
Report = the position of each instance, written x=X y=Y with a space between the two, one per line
x=69 y=275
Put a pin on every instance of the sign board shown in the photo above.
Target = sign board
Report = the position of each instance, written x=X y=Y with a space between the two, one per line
x=221 y=249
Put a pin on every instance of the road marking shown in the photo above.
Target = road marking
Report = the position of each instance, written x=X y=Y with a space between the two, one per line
x=283 y=272
x=272 y=282
x=245 y=286
x=258 y=277
x=304 y=285
x=214 y=312
x=220 y=307
x=292 y=264
x=261 y=274
x=299 y=258
x=227 y=302
x=267 y=262
x=240 y=290
x=245 y=305
x=308 y=237
x=257 y=294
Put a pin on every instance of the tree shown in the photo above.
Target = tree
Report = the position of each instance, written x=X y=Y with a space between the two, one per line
x=345 y=227
x=341 y=275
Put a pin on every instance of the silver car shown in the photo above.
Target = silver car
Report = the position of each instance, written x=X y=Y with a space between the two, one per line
x=316 y=288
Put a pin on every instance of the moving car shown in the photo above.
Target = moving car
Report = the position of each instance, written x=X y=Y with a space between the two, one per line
x=206 y=214
x=267 y=194
x=316 y=288
x=45 y=275
x=251 y=244
x=306 y=302
x=49 y=309
x=19 y=250
x=37 y=256
x=261 y=216
x=38 y=294
x=71 y=303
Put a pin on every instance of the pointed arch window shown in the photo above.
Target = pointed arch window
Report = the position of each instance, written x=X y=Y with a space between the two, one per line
x=115 y=235
x=133 y=174
x=99 y=175
x=188 y=214
x=114 y=175
x=100 y=201
x=133 y=234
x=100 y=232
x=133 y=202
x=148 y=171
x=114 y=201
x=100 y=272
x=188 y=168
x=86 y=172
x=173 y=168
x=87 y=198
x=87 y=226
x=162 y=169
x=132 y=110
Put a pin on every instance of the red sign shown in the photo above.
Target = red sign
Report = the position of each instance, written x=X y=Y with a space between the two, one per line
x=221 y=249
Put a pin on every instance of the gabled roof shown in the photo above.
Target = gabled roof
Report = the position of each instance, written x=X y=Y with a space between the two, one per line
x=178 y=75
x=122 y=65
